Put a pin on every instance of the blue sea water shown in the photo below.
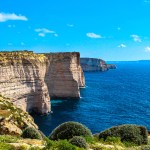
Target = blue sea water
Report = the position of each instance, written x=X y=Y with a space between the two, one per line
x=115 y=97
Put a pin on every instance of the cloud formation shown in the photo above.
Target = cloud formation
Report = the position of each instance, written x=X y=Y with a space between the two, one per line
x=43 y=31
x=6 y=17
x=93 y=35
x=147 y=1
x=122 y=46
x=136 y=38
x=147 y=49
x=70 y=25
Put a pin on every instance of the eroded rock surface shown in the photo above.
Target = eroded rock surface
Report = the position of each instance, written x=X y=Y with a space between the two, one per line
x=29 y=79
x=22 y=77
x=64 y=75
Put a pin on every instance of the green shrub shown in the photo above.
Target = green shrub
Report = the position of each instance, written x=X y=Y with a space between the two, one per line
x=78 y=141
x=68 y=130
x=59 y=145
x=31 y=133
x=147 y=147
x=64 y=145
x=5 y=146
x=127 y=133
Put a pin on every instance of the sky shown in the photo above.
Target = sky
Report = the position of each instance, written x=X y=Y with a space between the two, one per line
x=113 y=30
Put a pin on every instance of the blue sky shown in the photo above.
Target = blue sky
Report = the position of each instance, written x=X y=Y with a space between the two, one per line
x=107 y=29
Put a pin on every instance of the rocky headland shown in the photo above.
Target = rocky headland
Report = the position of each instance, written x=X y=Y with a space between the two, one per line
x=94 y=64
x=29 y=79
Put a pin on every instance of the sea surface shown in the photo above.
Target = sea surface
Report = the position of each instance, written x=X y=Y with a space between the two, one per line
x=115 y=97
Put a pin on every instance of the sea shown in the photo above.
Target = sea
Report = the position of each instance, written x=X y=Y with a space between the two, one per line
x=115 y=97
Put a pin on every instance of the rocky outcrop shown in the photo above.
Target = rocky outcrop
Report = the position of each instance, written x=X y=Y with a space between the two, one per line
x=64 y=75
x=28 y=78
x=12 y=119
x=94 y=64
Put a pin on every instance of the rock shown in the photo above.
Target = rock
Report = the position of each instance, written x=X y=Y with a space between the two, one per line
x=111 y=66
x=64 y=75
x=29 y=79
x=94 y=64
x=22 y=76
x=14 y=119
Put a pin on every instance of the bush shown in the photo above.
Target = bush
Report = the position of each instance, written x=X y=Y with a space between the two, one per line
x=147 y=147
x=127 y=133
x=64 y=145
x=31 y=133
x=78 y=141
x=68 y=130
x=59 y=145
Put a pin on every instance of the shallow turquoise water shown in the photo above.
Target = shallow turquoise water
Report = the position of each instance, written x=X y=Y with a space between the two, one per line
x=115 y=97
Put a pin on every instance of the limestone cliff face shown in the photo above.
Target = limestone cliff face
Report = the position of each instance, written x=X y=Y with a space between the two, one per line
x=64 y=75
x=94 y=64
x=29 y=79
x=22 y=80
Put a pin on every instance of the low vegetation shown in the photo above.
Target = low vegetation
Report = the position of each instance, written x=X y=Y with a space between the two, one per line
x=68 y=130
x=67 y=136
x=17 y=57
x=31 y=133
x=127 y=133
x=12 y=119
x=78 y=141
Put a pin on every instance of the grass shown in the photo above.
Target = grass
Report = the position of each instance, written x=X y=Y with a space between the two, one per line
x=16 y=57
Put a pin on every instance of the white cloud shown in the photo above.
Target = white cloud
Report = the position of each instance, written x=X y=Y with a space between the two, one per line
x=56 y=35
x=122 y=46
x=67 y=44
x=43 y=31
x=70 y=25
x=93 y=35
x=5 y=17
x=22 y=43
x=10 y=44
x=118 y=28
x=11 y=26
x=136 y=38
x=42 y=34
x=147 y=1
x=147 y=49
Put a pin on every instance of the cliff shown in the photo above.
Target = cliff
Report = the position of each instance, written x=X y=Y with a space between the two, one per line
x=94 y=64
x=28 y=78
x=64 y=75
x=22 y=77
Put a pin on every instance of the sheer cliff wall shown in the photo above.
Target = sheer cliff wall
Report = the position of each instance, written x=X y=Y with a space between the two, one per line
x=29 y=79
x=22 y=77
x=64 y=75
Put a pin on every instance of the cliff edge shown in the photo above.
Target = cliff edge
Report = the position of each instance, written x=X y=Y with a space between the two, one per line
x=94 y=64
x=30 y=79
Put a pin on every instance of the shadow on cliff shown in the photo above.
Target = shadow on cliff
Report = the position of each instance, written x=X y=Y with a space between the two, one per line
x=33 y=81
